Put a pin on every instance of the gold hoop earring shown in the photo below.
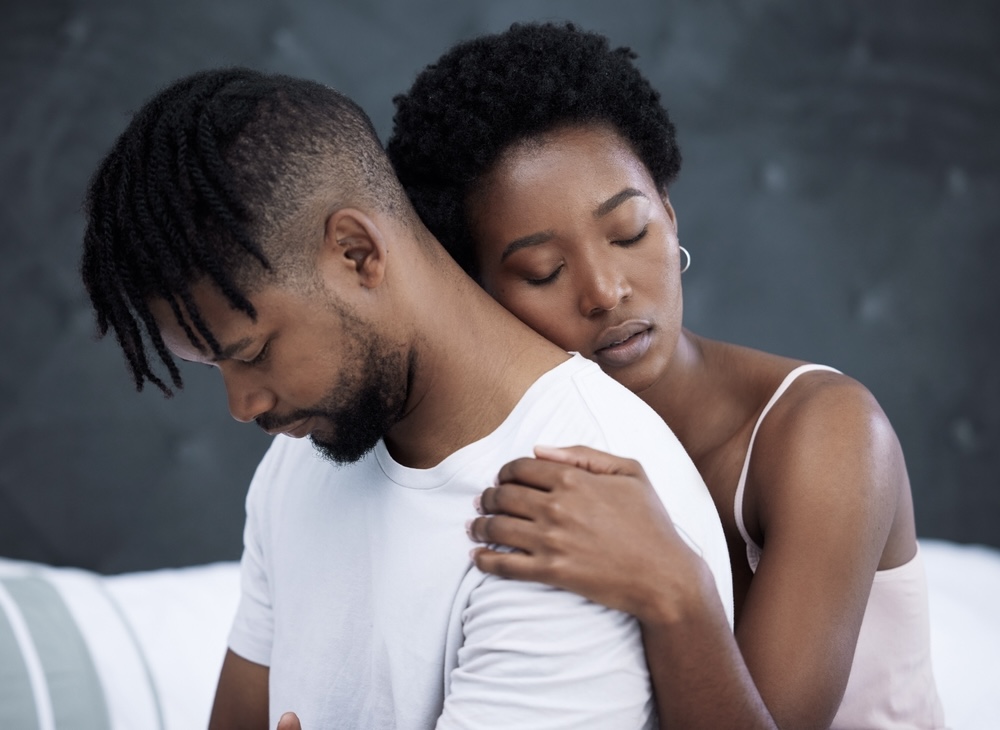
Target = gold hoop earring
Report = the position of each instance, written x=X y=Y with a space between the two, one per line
x=687 y=259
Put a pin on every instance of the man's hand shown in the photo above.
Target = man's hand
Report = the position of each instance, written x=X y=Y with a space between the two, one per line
x=289 y=721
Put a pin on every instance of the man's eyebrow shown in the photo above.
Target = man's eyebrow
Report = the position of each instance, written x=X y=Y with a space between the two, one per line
x=230 y=351
x=530 y=240
x=615 y=200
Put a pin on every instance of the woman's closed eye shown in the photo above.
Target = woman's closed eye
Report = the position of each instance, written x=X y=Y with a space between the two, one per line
x=635 y=239
x=539 y=281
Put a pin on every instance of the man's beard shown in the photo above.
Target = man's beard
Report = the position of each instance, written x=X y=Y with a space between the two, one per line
x=367 y=400
x=362 y=408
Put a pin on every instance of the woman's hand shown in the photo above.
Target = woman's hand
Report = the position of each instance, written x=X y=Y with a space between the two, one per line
x=584 y=521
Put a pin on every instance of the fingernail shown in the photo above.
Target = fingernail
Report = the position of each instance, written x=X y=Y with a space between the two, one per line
x=468 y=528
x=477 y=502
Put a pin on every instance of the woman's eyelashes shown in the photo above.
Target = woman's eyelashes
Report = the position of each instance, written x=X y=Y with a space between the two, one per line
x=539 y=281
x=635 y=239
x=621 y=242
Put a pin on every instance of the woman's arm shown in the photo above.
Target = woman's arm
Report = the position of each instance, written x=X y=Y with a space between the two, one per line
x=590 y=523
x=826 y=487
x=835 y=480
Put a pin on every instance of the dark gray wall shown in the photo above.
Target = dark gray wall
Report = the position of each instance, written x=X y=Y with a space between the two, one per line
x=840 y=198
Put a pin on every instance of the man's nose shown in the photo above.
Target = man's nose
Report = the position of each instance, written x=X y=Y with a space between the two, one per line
x=247 y=398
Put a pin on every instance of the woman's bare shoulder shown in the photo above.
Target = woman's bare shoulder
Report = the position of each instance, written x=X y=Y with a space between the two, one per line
x=826 y=446
x=827 y=406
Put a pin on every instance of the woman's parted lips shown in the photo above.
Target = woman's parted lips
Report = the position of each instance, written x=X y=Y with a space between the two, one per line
x=619 y=333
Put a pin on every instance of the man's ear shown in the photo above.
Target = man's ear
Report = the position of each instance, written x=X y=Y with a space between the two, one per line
x=353 y=245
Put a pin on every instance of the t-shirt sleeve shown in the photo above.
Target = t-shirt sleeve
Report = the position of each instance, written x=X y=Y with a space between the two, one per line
x=639 y=433
x=538 y=657
x=252 y=632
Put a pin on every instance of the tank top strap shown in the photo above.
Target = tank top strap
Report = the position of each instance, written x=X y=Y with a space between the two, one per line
x=753 y=549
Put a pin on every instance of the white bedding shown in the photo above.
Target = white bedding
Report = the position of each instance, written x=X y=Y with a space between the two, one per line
x=154 y=642
x=964 y=583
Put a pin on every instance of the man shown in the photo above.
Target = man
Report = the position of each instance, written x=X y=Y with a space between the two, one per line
x=253 y=223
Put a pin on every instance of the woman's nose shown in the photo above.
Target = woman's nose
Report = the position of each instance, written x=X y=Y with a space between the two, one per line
x=602 y=291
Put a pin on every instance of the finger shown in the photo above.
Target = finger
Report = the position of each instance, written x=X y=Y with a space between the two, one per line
x=503 y=530
x=516 y=500
x=544 y=475
x=517 y=566
x=524 y=471
x=592 y=460
x=289 y=721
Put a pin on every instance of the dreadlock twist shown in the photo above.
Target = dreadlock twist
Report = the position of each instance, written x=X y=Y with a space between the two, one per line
x=206 y=170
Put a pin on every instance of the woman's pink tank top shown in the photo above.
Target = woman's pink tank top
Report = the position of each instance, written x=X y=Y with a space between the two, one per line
x=891 y=685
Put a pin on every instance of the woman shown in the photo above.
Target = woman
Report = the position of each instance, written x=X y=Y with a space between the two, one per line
x=541 y=159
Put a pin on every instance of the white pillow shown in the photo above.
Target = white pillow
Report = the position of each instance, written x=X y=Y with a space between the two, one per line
x=964 y=596
x=127 y=652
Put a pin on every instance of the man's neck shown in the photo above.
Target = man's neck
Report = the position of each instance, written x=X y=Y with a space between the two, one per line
x=472 y=365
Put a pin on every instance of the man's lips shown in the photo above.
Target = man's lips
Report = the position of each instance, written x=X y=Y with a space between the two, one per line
x=295 y=429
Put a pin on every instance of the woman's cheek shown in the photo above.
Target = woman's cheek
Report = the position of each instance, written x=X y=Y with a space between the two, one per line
x=560 y=330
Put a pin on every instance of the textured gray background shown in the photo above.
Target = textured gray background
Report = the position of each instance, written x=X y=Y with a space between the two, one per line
x=839 y=195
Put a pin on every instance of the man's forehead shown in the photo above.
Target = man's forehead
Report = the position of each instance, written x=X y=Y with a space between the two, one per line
x=181 y=336
x=175 y=336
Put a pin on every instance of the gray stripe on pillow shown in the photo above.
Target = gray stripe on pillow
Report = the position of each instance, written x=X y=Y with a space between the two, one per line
x=75 y=689
x=142 y=654
x=17 y=701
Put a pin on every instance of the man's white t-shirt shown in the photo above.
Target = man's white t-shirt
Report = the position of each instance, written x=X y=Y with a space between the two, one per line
x=358 y=591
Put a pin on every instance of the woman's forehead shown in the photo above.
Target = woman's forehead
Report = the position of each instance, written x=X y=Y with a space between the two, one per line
x=576 y=167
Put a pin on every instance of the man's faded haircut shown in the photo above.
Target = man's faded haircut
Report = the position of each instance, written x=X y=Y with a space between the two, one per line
x=203 y=183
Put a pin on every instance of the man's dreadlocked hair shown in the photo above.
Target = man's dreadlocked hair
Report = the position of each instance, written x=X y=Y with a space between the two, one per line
x=202 y=183
x=484 y=95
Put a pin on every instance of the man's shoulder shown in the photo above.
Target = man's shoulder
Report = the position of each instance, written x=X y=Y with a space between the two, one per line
x=583 y=380
x=570 y=401
x=619 y=411
x=579 y=404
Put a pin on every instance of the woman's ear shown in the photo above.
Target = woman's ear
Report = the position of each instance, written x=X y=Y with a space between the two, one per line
x=671 y=213
x=353 y=246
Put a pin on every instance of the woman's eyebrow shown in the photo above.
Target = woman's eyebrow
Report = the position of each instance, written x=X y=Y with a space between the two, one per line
x=532 y=239
x=615 y=200
x=602 y=210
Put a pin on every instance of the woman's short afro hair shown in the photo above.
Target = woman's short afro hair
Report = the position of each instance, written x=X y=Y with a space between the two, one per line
x=481 y=96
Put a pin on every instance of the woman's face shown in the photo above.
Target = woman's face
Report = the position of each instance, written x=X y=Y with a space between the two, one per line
x=573 y=237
